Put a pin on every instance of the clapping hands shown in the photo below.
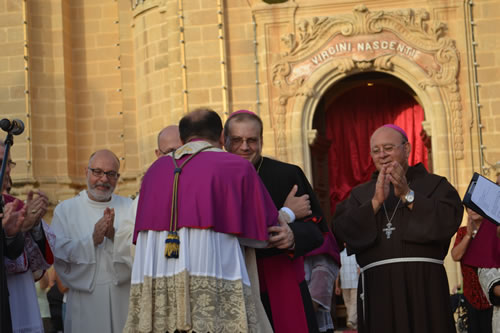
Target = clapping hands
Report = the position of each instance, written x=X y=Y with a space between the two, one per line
x=12 y=219
x=104 y=227
x=36 y=207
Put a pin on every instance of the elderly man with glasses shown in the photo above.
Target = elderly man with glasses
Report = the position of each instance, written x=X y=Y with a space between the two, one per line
x=89 y=259
x=399 y=224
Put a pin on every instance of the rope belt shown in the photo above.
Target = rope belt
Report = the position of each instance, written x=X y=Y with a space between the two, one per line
x=386 y=262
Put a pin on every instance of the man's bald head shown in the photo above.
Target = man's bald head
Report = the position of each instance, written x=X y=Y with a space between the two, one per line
x=168 y=140
x=388 y=144
x=106 y=155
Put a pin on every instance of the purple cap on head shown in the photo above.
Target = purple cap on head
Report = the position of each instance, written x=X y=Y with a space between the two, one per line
x=397 y=128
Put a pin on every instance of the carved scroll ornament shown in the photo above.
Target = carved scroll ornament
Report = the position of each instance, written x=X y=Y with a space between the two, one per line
x=369 y=41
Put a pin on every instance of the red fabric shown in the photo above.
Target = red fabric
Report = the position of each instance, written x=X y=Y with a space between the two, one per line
x=472 y=289
x=280 y=277
x=350 y=121
x=484 y=249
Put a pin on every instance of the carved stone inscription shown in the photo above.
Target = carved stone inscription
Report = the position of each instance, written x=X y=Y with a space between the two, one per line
x=363 y=48
x=369 y=41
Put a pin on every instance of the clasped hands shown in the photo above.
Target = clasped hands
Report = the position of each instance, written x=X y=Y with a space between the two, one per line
x=393 y=173
x=104 y=227
x=281 y=236
x=26 y=218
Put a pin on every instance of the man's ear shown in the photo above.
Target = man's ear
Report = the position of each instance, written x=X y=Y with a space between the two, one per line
x=221 y=139
x=408 y=149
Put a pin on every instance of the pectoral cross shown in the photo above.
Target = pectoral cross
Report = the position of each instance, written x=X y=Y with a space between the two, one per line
x=388 y=230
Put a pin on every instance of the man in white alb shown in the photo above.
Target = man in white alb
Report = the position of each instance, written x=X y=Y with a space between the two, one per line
x=89 y=259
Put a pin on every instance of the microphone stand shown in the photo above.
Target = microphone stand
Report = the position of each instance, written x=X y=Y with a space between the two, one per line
x=4 y=293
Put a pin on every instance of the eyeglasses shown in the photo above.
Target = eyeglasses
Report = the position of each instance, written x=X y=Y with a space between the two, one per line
x=99 y=173
x=388 y=148
x=11 y=163
x=237 y=141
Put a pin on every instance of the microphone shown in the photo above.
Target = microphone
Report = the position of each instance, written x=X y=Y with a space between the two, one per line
x=15 y=127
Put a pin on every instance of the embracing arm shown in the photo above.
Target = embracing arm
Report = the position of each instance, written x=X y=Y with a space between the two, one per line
x=310 y=224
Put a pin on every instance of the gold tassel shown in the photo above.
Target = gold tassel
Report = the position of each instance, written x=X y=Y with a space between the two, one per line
x=172 y=245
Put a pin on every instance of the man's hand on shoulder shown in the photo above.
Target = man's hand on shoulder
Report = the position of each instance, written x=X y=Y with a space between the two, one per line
x=300 y=206
x=281 y=236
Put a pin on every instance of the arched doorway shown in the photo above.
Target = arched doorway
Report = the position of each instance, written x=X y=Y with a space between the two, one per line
x=344 y=119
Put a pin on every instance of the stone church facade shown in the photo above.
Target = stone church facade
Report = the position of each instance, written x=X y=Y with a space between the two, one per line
x=86 y=75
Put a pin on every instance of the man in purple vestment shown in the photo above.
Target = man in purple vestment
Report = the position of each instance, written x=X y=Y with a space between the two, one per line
x=196 y=206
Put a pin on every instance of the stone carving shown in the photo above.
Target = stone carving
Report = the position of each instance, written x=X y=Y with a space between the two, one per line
x=141 y=6
x=369 y=41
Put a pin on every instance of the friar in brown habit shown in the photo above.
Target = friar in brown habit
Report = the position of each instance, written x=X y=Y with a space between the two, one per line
x=399 y=224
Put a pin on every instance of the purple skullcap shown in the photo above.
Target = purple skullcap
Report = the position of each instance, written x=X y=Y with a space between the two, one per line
x=397 y=128
x=243 y=111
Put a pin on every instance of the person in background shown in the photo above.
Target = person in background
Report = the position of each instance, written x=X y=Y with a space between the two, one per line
x=35 y=258
x=479 y=310
x=489 y=267
x=56 y=297
x=12 y=247
x=168 y=140
x=347 y=286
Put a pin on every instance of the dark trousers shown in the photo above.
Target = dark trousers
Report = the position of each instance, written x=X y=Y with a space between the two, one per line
x=478 y=321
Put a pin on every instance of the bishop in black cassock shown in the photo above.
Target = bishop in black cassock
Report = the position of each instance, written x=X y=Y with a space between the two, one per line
x=284 y=292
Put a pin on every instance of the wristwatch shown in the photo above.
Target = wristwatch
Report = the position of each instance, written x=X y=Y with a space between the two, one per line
x=410 y=196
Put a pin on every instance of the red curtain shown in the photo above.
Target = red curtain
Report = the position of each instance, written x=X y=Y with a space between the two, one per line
x=350 y=121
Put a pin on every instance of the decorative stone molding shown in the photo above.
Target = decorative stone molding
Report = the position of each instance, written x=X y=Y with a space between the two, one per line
x=141 y=6
x=370 y=41
x=312 y=134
